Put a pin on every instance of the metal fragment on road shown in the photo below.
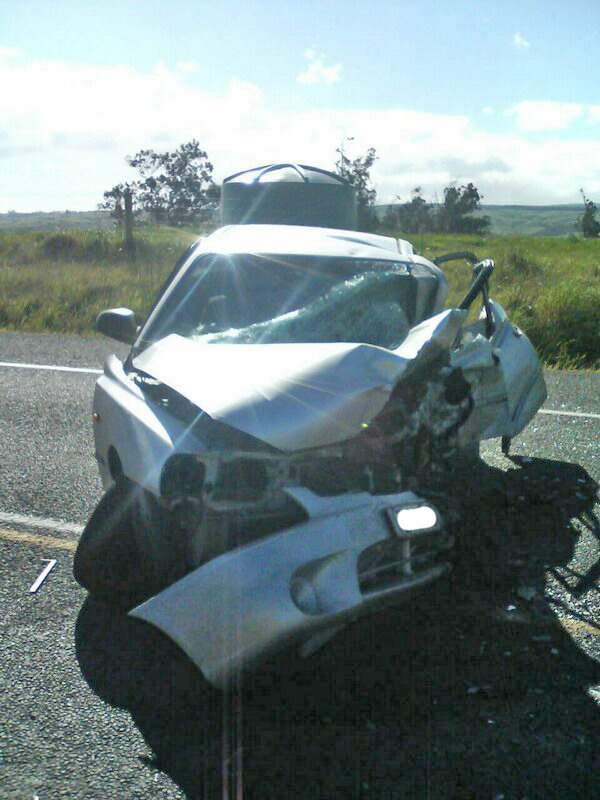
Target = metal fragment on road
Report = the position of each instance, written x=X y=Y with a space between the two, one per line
x=44 y=574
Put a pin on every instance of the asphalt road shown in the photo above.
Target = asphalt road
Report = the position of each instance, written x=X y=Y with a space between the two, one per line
x=486 y=687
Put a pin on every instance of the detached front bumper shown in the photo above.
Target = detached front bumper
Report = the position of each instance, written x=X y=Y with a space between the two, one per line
x=234 y=611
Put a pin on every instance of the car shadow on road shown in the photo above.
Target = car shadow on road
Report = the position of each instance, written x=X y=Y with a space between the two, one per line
x=472 y=690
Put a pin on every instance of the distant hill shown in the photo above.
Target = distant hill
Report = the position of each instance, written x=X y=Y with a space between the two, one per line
x=558 y=220
x=533 y=220
x=55 y=220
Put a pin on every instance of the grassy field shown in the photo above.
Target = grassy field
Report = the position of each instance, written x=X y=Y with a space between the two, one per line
x=59 y=282
x=550 y=287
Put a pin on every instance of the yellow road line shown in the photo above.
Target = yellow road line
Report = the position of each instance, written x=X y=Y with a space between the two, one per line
x=578 y=626
x=38 y=538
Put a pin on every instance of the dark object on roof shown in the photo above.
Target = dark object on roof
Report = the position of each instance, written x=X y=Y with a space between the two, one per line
x=289 y=194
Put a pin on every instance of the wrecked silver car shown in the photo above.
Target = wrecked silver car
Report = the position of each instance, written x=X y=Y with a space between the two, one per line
x=267 y=447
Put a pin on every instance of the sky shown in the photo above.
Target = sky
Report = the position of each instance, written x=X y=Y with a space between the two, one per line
x=505 y=94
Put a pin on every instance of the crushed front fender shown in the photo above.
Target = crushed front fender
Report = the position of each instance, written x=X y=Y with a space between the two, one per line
x=232 y=612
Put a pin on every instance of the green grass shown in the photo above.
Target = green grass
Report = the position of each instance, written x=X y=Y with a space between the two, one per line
x=549 y=287
x=59 y=281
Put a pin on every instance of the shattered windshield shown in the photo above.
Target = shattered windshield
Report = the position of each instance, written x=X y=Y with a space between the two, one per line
x=251 y=299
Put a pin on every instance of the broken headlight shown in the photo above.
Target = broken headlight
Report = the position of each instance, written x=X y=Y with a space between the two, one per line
x=412 y=520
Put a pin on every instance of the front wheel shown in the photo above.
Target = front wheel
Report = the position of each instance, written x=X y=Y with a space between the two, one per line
x=107 y=561
x=470 y=454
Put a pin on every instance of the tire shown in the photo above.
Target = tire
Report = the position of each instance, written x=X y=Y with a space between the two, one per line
x=107 y=561
x=471 y=453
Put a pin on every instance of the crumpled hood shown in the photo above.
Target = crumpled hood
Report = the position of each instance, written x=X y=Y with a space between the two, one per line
x=293 y=396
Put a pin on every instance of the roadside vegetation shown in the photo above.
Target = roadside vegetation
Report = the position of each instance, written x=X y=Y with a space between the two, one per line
x=60 y=281
x=550 y=287
x=522 y=220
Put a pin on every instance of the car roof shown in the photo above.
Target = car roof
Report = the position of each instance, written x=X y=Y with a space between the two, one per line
x=303 y=240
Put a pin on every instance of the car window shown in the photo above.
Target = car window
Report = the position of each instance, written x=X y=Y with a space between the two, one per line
x=246 y=298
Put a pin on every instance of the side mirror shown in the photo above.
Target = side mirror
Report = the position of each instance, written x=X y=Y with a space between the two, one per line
x=117 y=323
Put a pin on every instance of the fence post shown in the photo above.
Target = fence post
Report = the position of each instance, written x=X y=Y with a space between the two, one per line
x=129 y=243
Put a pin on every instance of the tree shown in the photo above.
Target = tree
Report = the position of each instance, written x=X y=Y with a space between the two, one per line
x=175 y=187
x=357 y=173
x=455 y=213
x=417 y=215
x=590 y=227
x=452 y=216
x=414 y=216
x=114 y=201
x=391 y=219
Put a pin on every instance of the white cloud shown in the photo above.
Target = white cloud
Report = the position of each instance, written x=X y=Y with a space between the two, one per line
x=545 y=115
x=487 y=110
x=520 y=42
x=317 y=72
x=67 y=128
x=8 y=53
x=187 y=67
x=593 y=114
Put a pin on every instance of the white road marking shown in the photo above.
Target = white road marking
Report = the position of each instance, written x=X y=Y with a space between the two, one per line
x=43 y=574
x=41 y=522
x=569 y=413
x=51 y=367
